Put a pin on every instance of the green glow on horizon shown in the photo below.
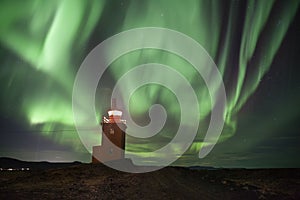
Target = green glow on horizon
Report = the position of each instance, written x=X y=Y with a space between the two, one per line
x=50 y=35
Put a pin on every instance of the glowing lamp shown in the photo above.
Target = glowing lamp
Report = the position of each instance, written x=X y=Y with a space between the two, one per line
x=115 y=113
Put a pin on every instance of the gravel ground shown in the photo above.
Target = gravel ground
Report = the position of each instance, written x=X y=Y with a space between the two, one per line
x=88 y=181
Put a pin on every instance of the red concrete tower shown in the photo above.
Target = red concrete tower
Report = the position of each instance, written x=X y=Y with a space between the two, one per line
x=113 y=137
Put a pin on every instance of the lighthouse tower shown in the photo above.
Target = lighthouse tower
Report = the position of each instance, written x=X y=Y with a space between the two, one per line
x=113 y=137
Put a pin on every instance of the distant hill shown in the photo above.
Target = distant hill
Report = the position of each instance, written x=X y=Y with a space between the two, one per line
x=6 y=163
x=202 y=167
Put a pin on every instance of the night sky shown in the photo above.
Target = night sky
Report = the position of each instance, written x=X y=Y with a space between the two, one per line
x=255 y=45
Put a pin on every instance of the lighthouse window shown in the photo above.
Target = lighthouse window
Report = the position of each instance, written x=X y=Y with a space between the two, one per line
x=111 y=131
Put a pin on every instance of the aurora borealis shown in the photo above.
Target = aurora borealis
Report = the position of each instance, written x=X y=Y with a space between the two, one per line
x=255 y=45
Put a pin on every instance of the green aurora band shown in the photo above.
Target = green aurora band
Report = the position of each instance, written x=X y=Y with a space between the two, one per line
x=53 y=36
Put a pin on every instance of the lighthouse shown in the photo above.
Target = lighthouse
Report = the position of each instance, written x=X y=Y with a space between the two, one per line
x=113 y=137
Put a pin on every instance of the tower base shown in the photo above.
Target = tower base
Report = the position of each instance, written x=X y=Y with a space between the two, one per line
x=106 y=154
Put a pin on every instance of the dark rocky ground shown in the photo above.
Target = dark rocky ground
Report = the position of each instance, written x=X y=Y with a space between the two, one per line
x=96 y=181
